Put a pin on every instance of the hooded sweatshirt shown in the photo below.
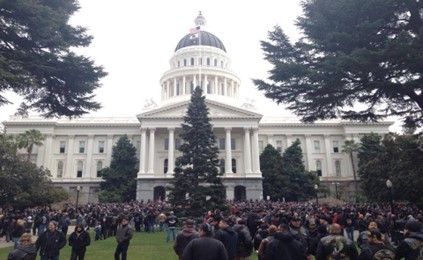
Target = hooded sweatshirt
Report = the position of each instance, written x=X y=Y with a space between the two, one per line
x=183 y=238
x=27 y=252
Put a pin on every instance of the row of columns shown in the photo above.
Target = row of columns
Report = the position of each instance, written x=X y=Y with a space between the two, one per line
x=170 y=87
x=251 y=151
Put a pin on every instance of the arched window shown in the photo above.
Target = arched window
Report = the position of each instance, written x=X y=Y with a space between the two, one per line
x=233 y=165
x=99 y=168
x=319 y=168
x=185 y=62
x=208 y=61
x=60 y=169
x=79 y=168
x=165 y=165
x=192 y=61
x=222 y=166
x=215 y=62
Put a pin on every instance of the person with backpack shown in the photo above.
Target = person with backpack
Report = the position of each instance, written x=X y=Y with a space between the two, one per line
x=187 y=234
x=227 y=236
x=411 y=247
x=376 y=249
x=336 y=246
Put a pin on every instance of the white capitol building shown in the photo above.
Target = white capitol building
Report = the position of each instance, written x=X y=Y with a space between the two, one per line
x=76 y=150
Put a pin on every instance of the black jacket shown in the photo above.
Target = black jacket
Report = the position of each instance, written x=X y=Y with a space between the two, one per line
x=410 y=247
x=229 y=239
x=23 y=252
x=49 y=243
x=205 y=248
x=79 y=243
x=284 y=246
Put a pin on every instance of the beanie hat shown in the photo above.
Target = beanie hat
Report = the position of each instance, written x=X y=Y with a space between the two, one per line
x=413 y=226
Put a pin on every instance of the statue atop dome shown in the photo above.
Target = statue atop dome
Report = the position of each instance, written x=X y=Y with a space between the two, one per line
x=200 y=20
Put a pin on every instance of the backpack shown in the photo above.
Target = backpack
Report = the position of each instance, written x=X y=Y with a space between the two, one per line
x=384 y=254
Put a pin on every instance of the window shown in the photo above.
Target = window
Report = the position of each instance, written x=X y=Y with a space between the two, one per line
x=178 y=143
x=319 y=168
x=221 y=63
x=261 y=146
x=222 y=166
x=215 y=62
x=222 y=144
x=99 y=168
x=192 y=61
x=279 y=146
x=208 y=61
x=338 y=168
x=79 y=167
x=62 y=147
x=166 y=144
x=60 y=169
x=233 y=144
x=208 y=88
x=233 y=165
x=179 y=63
x=165 y=165
x=81 y=146
x=185 y=62
x=200 y=61
x=335 y=146
x=316 y=145
x=222 y=89
x=100 y=146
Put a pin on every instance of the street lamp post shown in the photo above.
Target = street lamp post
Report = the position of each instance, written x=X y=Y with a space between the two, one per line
x=391 y=199
x=336 y=189
x=78 y=189
x=316 y=188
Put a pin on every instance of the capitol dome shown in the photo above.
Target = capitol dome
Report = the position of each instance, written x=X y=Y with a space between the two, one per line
x=204 y=38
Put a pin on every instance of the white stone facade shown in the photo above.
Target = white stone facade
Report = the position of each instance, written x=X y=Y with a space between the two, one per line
x=75 y=150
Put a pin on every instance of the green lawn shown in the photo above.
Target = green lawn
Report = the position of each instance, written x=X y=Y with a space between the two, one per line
x=143 y=247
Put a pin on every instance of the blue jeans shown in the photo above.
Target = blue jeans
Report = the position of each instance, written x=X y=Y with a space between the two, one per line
x=151 y=227
x=16 y=242
x=121 y=248
x=350 y=232
x=170 y=230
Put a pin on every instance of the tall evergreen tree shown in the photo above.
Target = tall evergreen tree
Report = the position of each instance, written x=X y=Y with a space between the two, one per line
x=301 y=182
x=37 y=58
x=119 y=179
x=370 y=148
x=366 y=52
x=197 y=184
x=273 y=180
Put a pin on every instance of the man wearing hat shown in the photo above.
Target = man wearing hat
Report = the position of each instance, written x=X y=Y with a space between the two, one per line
x=187 y=234
x=412 y=246
x=205 y=247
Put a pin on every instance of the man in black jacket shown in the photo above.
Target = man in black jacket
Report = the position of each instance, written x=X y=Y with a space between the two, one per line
x=285 y=246
x=227 y=236
x=50 y=242
x=412 y=246
x=123 y=236
x=79 y=240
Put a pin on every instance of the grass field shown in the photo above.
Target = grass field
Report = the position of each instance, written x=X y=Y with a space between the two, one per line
x=143 y=247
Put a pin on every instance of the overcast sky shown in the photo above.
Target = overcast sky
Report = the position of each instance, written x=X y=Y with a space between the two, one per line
x=134 y=41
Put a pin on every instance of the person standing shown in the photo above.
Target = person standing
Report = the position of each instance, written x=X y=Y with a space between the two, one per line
x=50 y=242
x=336 y=246
x=285 y=246
x=17 y=231
x=123 y=236
x=227 y=236
x=187 y=234
x=171 y=226
x=205 y=247
x=412 y=246
x=376 y=247
x=26 y=249
x=79 y=240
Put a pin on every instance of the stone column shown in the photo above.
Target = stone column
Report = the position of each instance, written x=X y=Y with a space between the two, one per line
x=47 y=150
x=216 y=86
x=230 y=192
x=184 y=85
x=328 y=156
x=143 y=150
x=309 y=147
x=109 y=150
x=88 y=166
x=175 y=87
x=228 y=160
x=151 y=151
x=168 y=89
x=225 y=90
x=170 y=156
x=247 y=151
x=69 y=157
x=205 y=84
x=255 y=151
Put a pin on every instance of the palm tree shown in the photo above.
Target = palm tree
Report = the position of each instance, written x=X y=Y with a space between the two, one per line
x=28 y=139
x=351 y=147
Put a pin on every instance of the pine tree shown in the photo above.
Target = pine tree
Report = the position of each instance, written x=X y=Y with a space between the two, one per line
x=197 y=185
x=273 y=180
x=119 y=179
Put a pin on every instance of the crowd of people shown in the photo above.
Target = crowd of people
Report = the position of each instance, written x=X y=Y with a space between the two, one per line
x=275 y=230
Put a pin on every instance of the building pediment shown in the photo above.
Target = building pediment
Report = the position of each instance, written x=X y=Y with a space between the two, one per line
x=217 y=110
